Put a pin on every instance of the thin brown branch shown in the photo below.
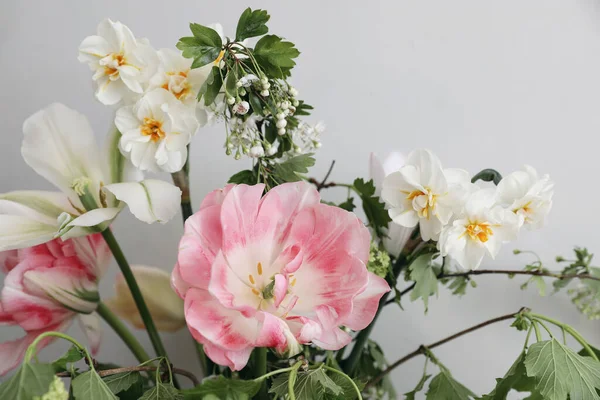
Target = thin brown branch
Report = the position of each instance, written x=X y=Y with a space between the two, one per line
x=142 y=368
x=520 y=272
x=323 y=184
x=422 y=349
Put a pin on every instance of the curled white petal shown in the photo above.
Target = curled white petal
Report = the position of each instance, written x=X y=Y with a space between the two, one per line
x=149 y=200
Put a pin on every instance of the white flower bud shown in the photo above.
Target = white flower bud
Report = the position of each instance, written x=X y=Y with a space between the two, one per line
x=230 y=100
x=285 y=104
x=264 y=80
x=237 y=155
x=296 y=103
x=257 y=151
x=266 y=86
x=239 y=84
x=264 y=93
x=281 y=123
x=317 y=144
x=280 y=116
x=293 y=92
x=281 y=131
x=241 y=108
x=242 y=92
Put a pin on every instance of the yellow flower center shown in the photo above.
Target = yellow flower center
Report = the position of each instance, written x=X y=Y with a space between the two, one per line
x=118 y=59
x=153 y=128
x=480 y=231
x=423 y=205
x=177 y=84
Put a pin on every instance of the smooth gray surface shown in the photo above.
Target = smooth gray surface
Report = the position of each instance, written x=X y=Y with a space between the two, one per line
x=482 y=84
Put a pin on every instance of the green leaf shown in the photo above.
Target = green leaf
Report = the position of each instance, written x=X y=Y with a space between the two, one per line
x=444 y=386
x=303 y=108
x=71 y=356
x=29 y=380
x=586 y=296
x=230 y=83
x=516 y=378
x=211 y=87
x=348 y=391
x=251 y=24
x=488 y=175
x=223 y=388
x=121 y=382
x=426 y=283
x=348 y=205
x=246 y=176
x=458 y=285
x=204 y=47
x=374 y=208
x=521 y=323
x=89 y=386
x=162 y=391
x=275 y=56
x=411 y=395
x=290 y=170
x=559 y=371
x=257 y=107
x=313 y=384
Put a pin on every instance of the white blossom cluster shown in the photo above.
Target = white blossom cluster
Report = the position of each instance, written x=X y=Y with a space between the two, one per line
x=467 y=221
x=155 y=92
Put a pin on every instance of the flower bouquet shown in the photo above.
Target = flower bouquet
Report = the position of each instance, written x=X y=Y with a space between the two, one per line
x=279 y=288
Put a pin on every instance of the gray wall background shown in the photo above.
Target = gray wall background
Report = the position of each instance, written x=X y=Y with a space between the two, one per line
x=482 y=84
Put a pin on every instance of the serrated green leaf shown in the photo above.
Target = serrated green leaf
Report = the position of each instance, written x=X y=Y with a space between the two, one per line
x=211 y=87
x=204 y=47
x=279 y=385
x=121 y=382
x=71 y=356
x=348 y=205
x=411 y=395
x=373 y=207
x=310 y=385
x=426 y=282
x=290 y=170
x=458 y=285
x=303 y=109
x=444 y=387
x=559 y=371
x=162 y=391
x=348 y=391
x=246 y=176
x=29 y=380
x=275 y=56
x=223 y=388
x=252 y=23
x=516 y=378
x=488 y=175
x=89 y=386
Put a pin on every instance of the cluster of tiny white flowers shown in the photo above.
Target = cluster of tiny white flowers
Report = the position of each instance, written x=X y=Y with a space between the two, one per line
x=307 y=138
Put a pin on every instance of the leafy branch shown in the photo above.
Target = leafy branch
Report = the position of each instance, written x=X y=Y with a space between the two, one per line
x=139 y=368
x=519 y=272
x=423 y=349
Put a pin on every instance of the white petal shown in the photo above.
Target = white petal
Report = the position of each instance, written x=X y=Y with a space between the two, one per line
x=91 y=326
x=396 y=238
x=111 y=92
x=430 y=228
x=59 y=145
x=49 y=204
x=408 y=218
x=376 y=173
x=17 y=232
x=95 y=217
x=430 y=170
x=149 y=200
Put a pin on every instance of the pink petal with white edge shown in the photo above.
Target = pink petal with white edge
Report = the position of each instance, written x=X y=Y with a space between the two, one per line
x=272 y=332
x=238 y=216
x=215 y=197
x=8 y=260
x=279 y=289
x=332 y=339
x=232 y=290
x=200 y=245
x=177 y=283
x=366 y=303
x=223 y=327
x=12 y=352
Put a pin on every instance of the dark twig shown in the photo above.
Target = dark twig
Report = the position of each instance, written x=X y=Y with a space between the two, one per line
x=142 y=368
x=323 y=184
x=422 y=349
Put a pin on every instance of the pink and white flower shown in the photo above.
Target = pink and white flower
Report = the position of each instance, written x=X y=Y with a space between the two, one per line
x=276 y=271
x=47 y=287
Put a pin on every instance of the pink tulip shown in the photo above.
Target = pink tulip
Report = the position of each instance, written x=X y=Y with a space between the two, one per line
x=46 y=287
x=275 y=271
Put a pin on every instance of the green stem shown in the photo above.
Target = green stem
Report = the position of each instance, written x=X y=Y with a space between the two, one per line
x=536 y=328
x=570 y=330
x=32 y=347
x=260 y=369
x=278 y=371
x=125 y=334
x=136 y=293
x=356 y=389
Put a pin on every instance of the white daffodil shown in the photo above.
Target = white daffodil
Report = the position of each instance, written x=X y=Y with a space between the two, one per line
x=396 y=235
x=59 y=145
x=121 y=63
x=482 y=228
x=527 y=195
x=166 y=307
x=175 y=75
x=423 y=193
x=156 y=131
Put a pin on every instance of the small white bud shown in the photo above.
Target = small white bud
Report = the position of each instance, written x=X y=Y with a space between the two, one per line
x=296 y=103
x=257 y=151
x=281 y=131
x=264 y=93
x=264 y=80
x=317 y=144
x=278 y=104
x=281 y=123
x=230 y=100
x=293 y=92
x=280 y=116
x=285 y=104
x=239 y=84
x=241 y=108
x=242 y=92
x=237 y=155
x=266 y=86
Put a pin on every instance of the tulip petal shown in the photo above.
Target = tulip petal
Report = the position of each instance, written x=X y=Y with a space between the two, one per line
x=365 y=305
x=95 y=217
x=90 y=325
x=149 y=200
x=59 y=145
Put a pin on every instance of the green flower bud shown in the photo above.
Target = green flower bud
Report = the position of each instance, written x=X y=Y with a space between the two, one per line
x=56 y=391
x=379 y=261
